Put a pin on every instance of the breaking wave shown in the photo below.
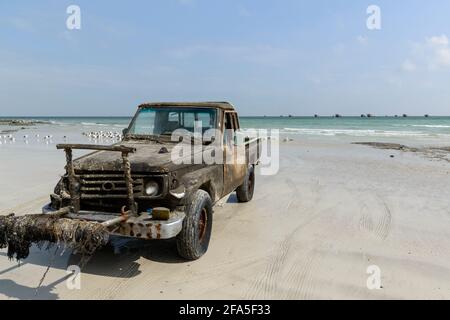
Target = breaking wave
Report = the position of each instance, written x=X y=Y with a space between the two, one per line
x=430 y=126
x=360 y=132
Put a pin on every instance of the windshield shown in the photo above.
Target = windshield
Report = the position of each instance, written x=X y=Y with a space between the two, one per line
x=164 y=121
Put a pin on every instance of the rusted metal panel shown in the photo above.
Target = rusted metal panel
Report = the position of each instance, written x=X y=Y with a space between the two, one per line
x=234 y=169
x=143 y=226
x=209 y=177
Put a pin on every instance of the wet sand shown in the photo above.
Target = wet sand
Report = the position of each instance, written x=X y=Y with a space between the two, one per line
x=311 y=232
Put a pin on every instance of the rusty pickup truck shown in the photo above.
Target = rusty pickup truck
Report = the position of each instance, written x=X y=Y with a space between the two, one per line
x=135 y=187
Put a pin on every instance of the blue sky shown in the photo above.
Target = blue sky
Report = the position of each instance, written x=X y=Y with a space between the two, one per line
x=267 y=57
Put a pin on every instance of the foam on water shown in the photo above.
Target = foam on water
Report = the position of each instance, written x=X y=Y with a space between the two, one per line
x=361 y=133
x=436 y=128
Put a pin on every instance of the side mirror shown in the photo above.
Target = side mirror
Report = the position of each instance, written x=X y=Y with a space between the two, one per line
x=125 y=131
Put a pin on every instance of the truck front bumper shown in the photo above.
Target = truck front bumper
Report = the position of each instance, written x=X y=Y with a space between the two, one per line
x=142 y=227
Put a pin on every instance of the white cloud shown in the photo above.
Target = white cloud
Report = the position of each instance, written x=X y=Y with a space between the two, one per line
x=438 y=40
x=362 y=40
x=431 y=54
x=408 y=65
x=439 y=45
x=443 y=57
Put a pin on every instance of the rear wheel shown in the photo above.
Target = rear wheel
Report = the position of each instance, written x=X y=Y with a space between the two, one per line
x=193 y=240
x=244 y=192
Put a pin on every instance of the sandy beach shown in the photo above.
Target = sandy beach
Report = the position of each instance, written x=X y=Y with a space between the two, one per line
x=311 y=231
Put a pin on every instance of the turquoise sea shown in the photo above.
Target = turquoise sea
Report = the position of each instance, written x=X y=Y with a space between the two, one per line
x=433 y=127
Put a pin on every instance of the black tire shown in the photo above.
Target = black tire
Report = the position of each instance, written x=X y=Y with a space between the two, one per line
x=245 y=191
x=193 y=240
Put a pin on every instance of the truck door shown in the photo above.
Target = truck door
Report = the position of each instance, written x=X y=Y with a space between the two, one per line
x=234 y=172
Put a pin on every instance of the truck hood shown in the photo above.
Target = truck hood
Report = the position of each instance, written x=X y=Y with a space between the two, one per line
x=147 y=158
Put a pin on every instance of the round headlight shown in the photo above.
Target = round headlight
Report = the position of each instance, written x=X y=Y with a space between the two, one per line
x=151 y=188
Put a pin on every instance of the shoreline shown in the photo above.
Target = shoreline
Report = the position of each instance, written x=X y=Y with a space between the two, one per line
x=20 y=122
x=426 y=129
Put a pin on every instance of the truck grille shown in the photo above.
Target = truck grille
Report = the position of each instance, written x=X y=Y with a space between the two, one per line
x=108 y=185
x=107 y=192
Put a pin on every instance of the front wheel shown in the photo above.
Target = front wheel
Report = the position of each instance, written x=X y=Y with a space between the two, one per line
x=193 y=240
x=244 y=192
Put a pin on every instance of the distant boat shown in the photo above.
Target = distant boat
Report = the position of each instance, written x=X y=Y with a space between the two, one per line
x=337 y=115
x=369 y=115
x=316 y=116
x=290 y=116
x=396 y=116
x=426 y=116
x=405 y=115
x=363 y=116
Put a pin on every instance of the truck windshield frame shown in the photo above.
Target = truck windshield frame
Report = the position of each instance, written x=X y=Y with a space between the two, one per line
x=157 y=122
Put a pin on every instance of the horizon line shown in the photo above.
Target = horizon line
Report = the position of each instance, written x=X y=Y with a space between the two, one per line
x=335 y=115
x=245 y=116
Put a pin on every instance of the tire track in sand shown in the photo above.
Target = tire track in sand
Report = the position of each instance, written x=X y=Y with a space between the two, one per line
x=365 y=222
x=381 y=229
x=299 y=277
x=384 y=225
x=266 y=284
